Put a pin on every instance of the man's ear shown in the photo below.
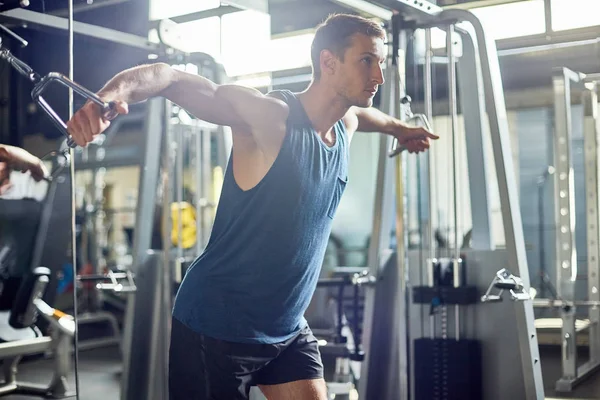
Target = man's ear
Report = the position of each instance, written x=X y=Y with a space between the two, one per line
x=328 y=62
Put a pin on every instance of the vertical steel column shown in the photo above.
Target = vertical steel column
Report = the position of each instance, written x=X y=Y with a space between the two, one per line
x=401 y=315
x=142 y=242
x=379 y=249
x=431 y=170
x=511 y=215
x=564 y=212
x=591 y=132
x=472 y=96
x=453 y=107
x=158 y=381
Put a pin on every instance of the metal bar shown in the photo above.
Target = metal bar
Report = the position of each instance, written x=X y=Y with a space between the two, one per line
x=411 y=9
x=548 y=16
x=583 y=372
x=453 y=107
x=549 y=303
x=591 y=131
x=159 y=357
x=479 y=3
x=256 y=5
x=36 y=19
x=228 y=7
x=214 y=12
x=379 y=249
x=592 y=78
x=21 y=348
x=144 y=224
x=507 y=187
x=472 y=98
x=401 y=320
x=88 y=7
x=366 y=7
x=431 y=170
x=564 y=217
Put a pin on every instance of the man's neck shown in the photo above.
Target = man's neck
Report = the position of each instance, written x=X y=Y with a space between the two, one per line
x=323 y=107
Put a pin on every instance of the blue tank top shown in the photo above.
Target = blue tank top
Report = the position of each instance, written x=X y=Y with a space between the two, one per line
x=257 y=275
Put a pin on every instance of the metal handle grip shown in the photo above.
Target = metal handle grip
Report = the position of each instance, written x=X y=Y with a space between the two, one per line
x=108 y=109
x=417 y=120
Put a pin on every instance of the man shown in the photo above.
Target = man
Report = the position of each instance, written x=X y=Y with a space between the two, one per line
x=238 y=317
x=15 y=158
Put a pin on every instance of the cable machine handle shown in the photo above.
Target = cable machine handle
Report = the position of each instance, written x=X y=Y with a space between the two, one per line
x=109 y=111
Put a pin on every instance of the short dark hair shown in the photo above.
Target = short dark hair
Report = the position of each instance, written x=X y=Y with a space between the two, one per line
x=335 y=34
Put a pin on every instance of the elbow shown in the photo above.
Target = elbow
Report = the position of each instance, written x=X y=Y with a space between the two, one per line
x=162 y=72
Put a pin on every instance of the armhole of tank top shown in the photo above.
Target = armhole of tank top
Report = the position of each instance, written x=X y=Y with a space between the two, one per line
x=284 y=146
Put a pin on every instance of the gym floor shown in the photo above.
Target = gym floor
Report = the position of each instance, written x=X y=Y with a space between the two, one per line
x=100 y=375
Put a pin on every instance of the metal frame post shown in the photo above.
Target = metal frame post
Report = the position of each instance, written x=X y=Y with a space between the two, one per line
x=453 y=107
x=379 y=250
x=401 y=319
x=566 y=264
x=564 y=216
x=511 y=215
x=478 y=156
x=591 y=133
x=144 y=226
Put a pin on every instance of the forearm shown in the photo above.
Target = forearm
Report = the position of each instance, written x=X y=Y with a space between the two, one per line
x=138 y=84
x=372 y=120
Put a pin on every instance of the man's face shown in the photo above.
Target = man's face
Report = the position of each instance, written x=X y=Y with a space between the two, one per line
x=358 y=77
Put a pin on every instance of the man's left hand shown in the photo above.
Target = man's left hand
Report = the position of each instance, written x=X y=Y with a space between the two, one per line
x=15 y=158
x=415 y=139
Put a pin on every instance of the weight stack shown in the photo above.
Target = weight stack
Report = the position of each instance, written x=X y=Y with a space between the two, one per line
x=448 y=369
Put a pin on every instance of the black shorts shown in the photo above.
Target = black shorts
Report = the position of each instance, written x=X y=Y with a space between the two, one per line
x=204 y=368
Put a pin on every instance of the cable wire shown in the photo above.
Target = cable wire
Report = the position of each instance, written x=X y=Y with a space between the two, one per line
x=73 y=205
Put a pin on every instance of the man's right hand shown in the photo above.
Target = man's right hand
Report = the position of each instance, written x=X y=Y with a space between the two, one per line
x=88 y=122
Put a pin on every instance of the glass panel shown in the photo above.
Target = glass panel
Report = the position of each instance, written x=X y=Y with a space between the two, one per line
x=513 y=19
x=245 y=40
x=275 y=55
x=573 y=14
x=203 y=35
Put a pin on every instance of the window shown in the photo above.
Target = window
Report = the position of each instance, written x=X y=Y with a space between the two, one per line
x=203 y=35
x=245 y=41
x=573 y=14
x=163 y=9
x=511 y=20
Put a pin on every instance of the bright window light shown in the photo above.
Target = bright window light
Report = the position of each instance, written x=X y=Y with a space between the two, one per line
x=511 y=20
x=242 y=46
x=202 y=35
x=573 y=14
x=275 y=55
x=163 y=9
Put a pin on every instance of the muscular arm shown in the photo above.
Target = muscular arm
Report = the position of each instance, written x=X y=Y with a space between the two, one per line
x=246 y=110
x=414 y=139
x=372 y=120
x=230 y=105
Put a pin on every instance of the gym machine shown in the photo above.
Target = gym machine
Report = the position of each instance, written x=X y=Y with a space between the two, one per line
x=408 y=350
x=173 y=141
x=568 y=84
x=31 y=259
